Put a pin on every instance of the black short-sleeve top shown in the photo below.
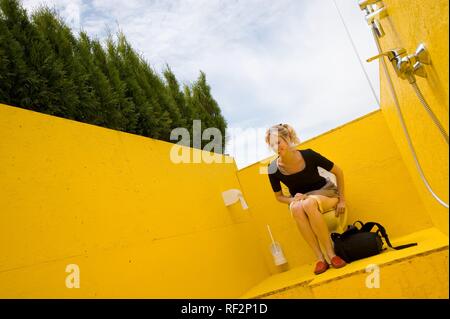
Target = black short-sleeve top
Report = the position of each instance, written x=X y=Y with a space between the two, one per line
x=304 y=181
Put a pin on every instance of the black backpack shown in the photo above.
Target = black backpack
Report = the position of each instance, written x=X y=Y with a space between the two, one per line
x=354 y=243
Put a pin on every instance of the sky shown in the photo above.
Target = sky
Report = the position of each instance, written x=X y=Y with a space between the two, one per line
x=267 y=62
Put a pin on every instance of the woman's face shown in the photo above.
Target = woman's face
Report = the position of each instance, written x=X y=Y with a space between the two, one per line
x=279 y=145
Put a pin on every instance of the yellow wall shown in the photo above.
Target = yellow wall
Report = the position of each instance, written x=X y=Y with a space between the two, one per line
x=409 y=23
x=137 y=225
x=140 y=226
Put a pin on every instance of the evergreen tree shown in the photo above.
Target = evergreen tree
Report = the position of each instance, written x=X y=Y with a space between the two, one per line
x=190 y=108
x=168 y=108
x=61 y=42
x=146 y=121
x=95 y=81
x=7 y=67
x=44 y=67
x=184 y=117
x=206 y=107
x=45 y=72
x=125 y=106
x=110 y=101
x=19 y=82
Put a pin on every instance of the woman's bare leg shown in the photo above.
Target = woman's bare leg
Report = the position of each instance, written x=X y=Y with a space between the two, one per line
x=328 y=203
x=305 y=229
x=318 y=224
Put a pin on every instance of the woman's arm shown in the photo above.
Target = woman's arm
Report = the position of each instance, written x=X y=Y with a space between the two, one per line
x=340 y=207
x=337 y=171
x=283 y=199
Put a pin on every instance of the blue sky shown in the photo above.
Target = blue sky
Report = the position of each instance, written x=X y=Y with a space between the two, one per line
x=266 y=61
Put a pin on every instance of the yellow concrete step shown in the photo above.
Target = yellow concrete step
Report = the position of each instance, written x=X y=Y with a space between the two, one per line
x=416 y=272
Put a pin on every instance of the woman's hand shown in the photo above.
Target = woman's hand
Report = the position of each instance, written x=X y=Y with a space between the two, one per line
x=299 y=196
x=340 y=208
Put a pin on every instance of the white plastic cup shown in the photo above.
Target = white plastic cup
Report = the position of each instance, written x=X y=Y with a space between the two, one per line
x=277 y=253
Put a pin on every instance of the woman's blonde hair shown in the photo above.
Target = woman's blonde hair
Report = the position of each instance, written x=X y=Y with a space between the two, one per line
x=285 y=131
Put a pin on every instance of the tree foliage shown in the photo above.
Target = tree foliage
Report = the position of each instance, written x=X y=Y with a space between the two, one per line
x=44 y=67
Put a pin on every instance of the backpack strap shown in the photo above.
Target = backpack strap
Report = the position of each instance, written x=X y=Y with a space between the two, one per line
x=368 y=227
x=358 y=222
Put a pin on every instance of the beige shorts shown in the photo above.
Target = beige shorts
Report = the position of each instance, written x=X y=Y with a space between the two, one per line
x=329 y=189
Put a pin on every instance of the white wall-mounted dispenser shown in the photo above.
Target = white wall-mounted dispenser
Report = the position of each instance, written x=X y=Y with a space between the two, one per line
x=231 y=196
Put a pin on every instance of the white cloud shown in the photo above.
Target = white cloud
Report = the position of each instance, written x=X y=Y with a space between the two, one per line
x=70 y=10
x=266 y=61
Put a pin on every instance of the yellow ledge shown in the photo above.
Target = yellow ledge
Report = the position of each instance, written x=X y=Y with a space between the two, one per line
x=350 y=281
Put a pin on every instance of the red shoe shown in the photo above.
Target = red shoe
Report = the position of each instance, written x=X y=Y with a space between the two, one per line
x=338 y=262
x=321 y=267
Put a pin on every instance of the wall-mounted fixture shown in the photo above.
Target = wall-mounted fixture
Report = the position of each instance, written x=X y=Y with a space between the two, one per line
x=231 y=196
x=407 y=65
x=375 y=11
x=364 y=4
